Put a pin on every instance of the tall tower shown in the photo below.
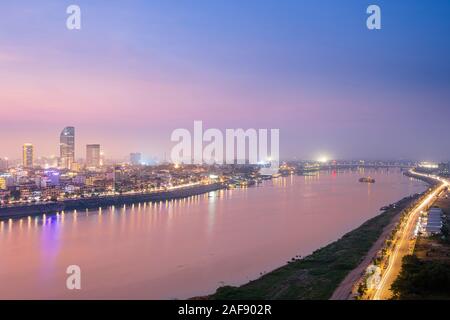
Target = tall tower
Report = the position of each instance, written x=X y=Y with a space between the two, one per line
x=93 y=155
x=28 y=155
x=67 y=147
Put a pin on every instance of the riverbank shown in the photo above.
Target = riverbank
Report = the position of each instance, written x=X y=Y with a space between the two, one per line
x=355 y=281
x=329 y=272
x=98 y=202
x=319 y=274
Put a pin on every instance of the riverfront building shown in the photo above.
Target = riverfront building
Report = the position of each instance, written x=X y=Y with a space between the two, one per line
x=434 y=221
x=444 y=169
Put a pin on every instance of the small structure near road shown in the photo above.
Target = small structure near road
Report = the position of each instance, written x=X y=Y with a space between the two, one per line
x=373 y=274
x=433 y=222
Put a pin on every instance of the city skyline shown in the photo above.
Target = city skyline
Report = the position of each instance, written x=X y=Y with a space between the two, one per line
x=159 y=67
x=92 y=156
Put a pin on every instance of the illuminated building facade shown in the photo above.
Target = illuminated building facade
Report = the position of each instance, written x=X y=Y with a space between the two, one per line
x=135 y=158
x=444 y=169
x=27 y=155
x=93 y=155
x=3 y=183
x=67 y=147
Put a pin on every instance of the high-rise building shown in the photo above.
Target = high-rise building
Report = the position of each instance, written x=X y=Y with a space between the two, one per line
x=6 y=180
x=2 y=182
x=444 y=169
x=93 y=155
x=4 y=164
x=135 y=158
x=27 y=155
x=67 y=147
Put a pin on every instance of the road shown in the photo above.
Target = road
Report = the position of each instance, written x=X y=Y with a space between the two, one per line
x=344 y=291
x=402 y=245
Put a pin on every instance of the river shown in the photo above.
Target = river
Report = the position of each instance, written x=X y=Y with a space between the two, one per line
x=189 y=247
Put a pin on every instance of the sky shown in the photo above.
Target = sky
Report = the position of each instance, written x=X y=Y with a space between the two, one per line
x=137 y=70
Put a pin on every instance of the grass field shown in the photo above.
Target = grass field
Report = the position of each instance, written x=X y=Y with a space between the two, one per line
x=317 y=275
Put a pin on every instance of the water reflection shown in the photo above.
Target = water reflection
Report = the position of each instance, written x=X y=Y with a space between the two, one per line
x=186 y=247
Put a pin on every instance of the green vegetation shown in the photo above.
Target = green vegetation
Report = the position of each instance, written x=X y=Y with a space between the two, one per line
x=420 y=279
x=318 y=275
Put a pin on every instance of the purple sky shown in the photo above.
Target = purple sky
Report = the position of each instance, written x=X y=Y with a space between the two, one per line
x=138 y=70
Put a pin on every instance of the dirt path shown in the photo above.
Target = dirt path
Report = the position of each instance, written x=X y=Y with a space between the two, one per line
x=344 y=290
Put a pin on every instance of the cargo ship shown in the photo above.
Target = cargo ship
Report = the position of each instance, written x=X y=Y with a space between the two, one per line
x=367 y=180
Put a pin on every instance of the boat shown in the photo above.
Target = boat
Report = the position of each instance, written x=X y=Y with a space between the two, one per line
x=367 y=180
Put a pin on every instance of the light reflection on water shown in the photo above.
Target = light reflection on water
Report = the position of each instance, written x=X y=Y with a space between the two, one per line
x=186 y=247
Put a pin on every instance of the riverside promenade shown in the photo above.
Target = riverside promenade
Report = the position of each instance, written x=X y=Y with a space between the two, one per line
x=20 y=211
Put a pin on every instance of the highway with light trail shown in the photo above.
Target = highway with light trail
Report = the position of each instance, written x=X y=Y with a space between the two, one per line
x=402 y=245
